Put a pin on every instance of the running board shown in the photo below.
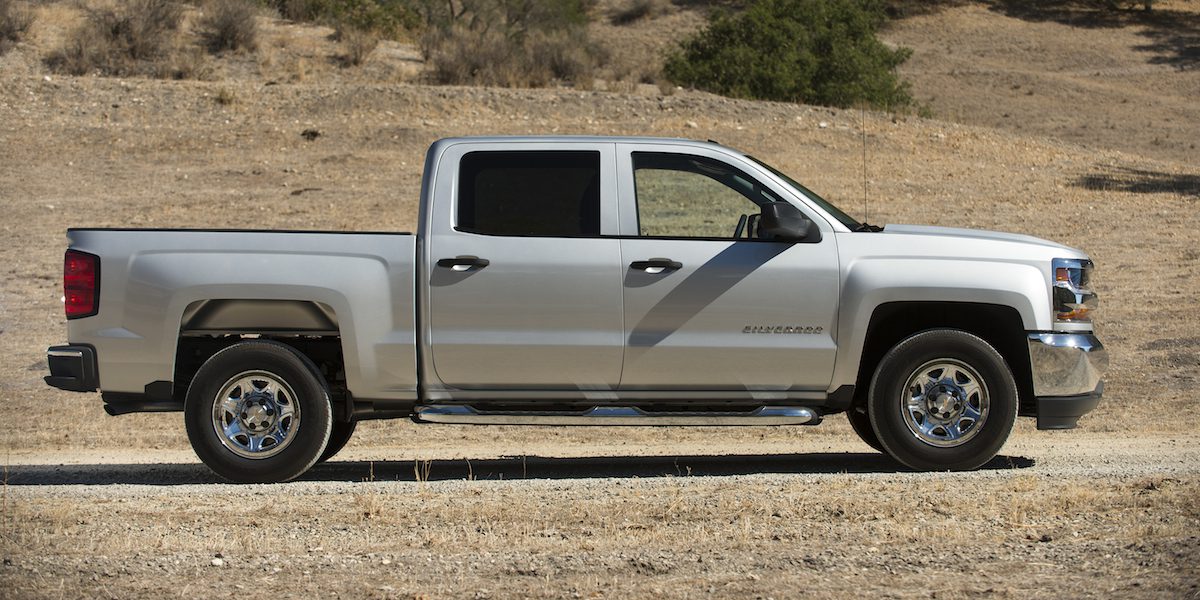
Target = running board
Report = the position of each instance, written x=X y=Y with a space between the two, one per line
x=615 y=415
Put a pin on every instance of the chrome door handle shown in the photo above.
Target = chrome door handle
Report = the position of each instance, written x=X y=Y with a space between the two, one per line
x=463 y=263
x=654 y=266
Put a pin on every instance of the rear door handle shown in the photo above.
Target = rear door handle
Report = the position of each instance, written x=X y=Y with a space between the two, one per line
x=463 y=263
x=655 y=266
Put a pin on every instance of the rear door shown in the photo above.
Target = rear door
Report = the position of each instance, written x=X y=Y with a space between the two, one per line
x=706 y=311
x=524 y=293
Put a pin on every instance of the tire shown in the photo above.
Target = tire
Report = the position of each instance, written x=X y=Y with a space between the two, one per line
x=269 y=434
x=860 y=422
x=942 y=400
x=339 y=436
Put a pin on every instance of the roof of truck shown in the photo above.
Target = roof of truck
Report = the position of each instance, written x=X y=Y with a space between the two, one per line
x=590 y=139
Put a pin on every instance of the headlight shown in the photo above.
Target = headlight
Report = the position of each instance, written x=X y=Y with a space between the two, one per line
x=1074 y=301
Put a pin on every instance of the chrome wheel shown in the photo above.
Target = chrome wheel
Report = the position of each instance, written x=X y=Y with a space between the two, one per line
x=945 y=403
x=255 y=414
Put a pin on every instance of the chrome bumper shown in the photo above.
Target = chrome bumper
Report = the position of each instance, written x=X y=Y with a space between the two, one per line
x=1066 y=364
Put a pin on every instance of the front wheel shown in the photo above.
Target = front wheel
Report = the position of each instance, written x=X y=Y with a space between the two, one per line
x=339 y=436
x=257 y=412
x=943 y=400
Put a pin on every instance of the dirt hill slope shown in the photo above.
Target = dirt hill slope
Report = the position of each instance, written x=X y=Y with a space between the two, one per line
x=1128 y=81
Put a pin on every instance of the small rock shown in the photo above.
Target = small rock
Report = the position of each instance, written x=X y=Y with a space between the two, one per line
x=218 y=562
x=692 y=125
x=310 y=134
x=46 y=78
x=822 y=124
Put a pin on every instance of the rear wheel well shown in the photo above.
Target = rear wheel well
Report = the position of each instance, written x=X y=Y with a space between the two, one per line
x=324 y=351
x=998 y=325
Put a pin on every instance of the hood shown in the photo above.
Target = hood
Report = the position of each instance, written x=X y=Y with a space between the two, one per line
x=974 y=234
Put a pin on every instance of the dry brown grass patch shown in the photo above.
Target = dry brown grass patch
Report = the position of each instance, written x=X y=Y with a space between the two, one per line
x=357 y=45
x=14 y=24
x=230 y=25
x=636 y=10
x=134 y=38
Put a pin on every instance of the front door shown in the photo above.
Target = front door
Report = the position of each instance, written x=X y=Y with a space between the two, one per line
x=708 y=304
x=524 y=293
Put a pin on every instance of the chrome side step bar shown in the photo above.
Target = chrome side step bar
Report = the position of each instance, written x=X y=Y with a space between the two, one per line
x=615 y=415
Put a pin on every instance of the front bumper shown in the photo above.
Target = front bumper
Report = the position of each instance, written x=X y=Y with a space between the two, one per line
x=72 y=368
x=1067 y=370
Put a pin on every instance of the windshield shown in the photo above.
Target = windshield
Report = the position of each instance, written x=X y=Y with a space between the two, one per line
x=835 y=212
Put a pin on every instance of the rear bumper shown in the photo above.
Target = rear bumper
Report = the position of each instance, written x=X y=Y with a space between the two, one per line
x=1067 y=370
x=72 y=368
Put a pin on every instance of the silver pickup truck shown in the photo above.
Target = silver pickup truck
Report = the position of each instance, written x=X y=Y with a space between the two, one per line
x=584 y=281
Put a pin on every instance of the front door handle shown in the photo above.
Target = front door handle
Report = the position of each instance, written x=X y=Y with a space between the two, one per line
x=463 y=263
x=654 y=266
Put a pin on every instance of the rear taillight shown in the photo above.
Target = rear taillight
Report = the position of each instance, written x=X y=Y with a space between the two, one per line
x=81 y=284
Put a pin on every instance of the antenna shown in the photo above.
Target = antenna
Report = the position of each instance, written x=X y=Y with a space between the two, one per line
x=863 y=127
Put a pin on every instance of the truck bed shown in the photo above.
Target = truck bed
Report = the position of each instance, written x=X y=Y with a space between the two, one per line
x=157 y=285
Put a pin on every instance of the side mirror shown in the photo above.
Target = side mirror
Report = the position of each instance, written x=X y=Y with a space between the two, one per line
x=783 y=222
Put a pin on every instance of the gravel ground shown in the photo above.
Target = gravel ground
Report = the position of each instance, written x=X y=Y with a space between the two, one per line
x=1087 y=515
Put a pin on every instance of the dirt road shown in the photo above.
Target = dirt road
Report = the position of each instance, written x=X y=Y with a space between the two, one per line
x=1087 y=515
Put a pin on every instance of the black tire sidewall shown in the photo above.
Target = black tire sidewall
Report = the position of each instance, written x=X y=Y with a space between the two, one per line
x=339 y=436
x=860 y=422
x=312 y=397
x=887 y=389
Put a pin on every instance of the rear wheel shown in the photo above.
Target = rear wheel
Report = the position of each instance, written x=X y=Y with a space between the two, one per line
x=942 y=400
x=339 y=436
x=257 y=412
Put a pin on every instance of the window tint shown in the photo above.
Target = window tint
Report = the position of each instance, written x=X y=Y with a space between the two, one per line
x=535 y=193
x=680 y=195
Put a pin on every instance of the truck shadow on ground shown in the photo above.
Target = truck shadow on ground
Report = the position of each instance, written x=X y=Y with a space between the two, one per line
x=496 y=469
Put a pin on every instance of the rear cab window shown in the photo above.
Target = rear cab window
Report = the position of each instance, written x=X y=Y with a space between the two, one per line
x=529 y=193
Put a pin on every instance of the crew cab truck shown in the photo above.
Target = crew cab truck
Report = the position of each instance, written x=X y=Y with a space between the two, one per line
x=584 y=281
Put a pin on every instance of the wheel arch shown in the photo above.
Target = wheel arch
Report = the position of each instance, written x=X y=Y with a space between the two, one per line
x=999 y=325
x=308 y=327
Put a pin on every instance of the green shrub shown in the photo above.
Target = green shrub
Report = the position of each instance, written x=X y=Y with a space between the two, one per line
x=230 y=25
x=14 y=22
x=811 y=51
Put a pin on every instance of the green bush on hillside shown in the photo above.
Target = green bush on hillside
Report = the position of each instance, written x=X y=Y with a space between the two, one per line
x=811 y=51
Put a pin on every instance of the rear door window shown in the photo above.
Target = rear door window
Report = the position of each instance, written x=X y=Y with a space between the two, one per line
x=530 y=193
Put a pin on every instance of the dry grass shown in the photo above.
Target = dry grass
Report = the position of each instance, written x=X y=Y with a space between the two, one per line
x=134 y=38
x=745 y=536
x=460 y=56
x=230 y=25
x=636 y=10
x=357 y=45
x=15 y=21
